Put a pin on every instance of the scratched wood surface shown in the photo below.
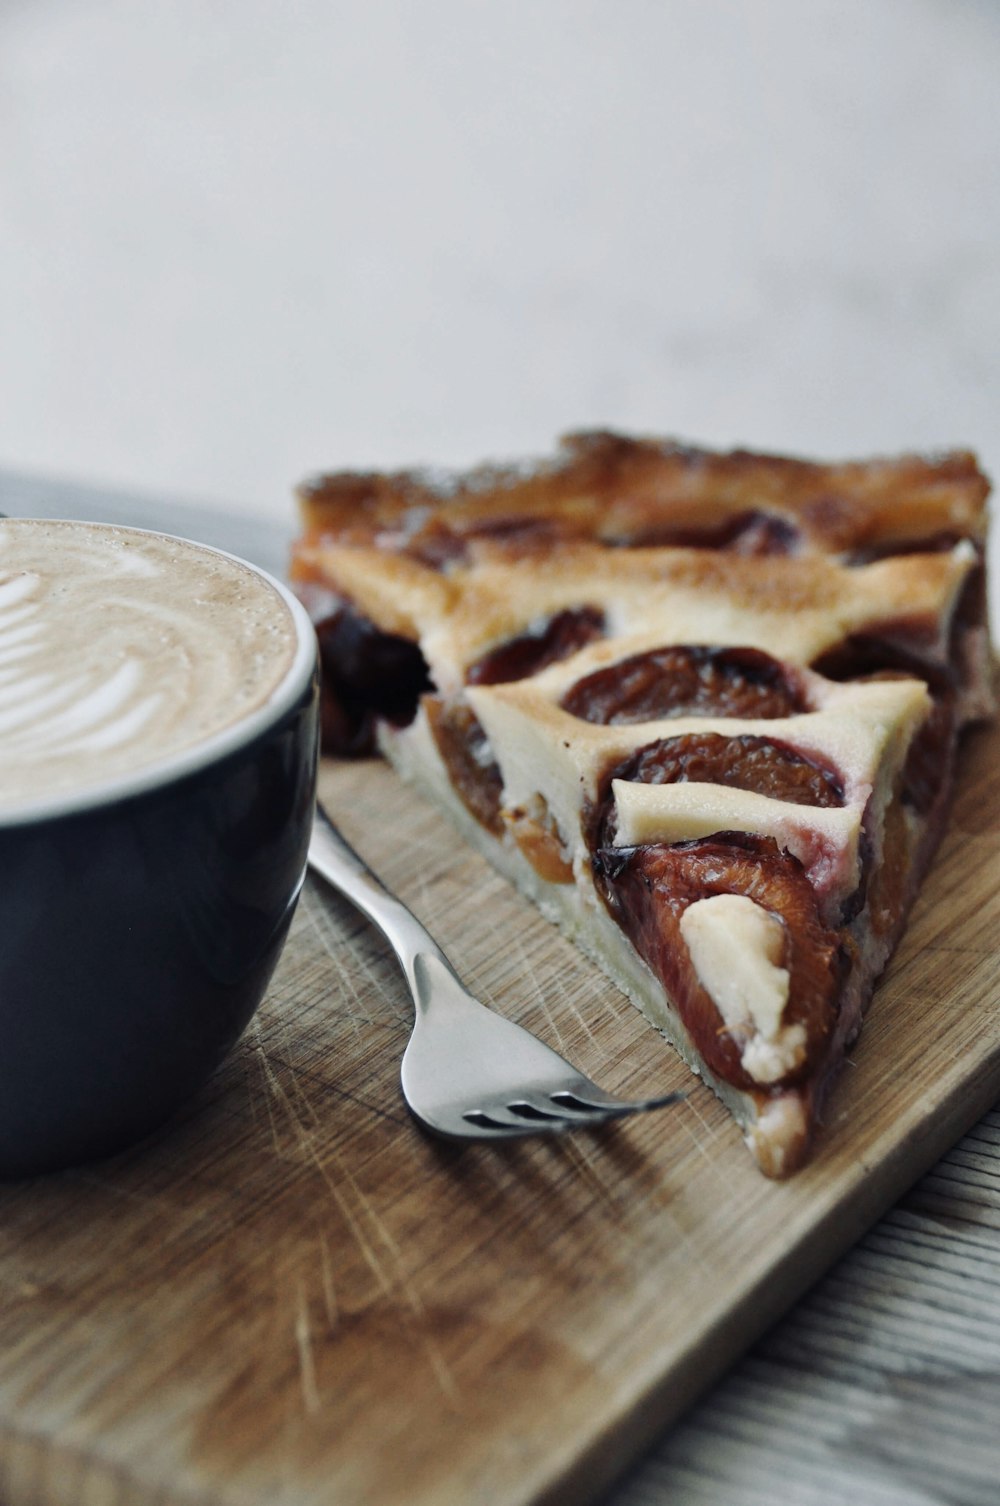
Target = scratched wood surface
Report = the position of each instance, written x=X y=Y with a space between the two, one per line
x=881 y=1387
x=289 y=1295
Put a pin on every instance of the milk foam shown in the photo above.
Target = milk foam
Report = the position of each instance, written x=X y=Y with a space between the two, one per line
x=120 y=649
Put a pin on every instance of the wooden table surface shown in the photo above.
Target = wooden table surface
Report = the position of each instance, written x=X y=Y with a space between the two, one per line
x=882 y=1384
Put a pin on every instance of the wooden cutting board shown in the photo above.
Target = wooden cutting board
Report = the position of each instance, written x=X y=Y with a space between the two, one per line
x=290 y=1295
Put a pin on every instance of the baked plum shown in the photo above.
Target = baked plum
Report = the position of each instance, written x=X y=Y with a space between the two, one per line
x=551 y=641
x=746 y=762
x=367 y=675
x=687 y=680
x=465 y=751
x=648 y=889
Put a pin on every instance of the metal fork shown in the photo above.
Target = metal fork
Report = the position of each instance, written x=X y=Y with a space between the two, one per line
x=467 y=1073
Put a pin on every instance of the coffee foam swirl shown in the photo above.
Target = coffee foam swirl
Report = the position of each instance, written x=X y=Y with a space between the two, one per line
x=120 y=649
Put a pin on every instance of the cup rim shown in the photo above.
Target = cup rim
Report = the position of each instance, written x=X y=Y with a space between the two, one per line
x=186 y=761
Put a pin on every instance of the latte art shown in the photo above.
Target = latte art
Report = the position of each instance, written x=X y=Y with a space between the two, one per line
x=120 y=649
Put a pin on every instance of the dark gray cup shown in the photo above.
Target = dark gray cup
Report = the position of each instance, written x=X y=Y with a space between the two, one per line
x=140 y=925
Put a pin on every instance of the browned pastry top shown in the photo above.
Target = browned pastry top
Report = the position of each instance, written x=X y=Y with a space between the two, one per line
x=628 y=491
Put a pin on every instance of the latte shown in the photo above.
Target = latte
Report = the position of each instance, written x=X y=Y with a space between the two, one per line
x=121 y=650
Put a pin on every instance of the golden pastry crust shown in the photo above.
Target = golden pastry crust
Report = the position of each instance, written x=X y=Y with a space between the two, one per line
x=619 y=489
x=808 y=604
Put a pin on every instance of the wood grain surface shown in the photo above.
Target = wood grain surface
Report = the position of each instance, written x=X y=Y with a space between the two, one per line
x=881 y=1387
x=291 y=1295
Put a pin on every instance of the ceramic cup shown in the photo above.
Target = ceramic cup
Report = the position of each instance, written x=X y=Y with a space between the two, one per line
x=158 y=752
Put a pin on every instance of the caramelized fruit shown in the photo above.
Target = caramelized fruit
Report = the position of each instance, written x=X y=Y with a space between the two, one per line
x=908 y=647
x=647 y=890
x=555 y=639
x=367 y=675
x=745 y=762
x=686 y=680
x=465 y=749
x=749 y=533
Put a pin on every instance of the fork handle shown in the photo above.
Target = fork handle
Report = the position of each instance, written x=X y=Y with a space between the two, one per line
x=335 y=860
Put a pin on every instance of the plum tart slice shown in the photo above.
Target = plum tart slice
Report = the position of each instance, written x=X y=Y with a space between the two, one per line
x=702 y=708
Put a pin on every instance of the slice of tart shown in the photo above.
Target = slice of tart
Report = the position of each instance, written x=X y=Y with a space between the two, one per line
x=702 y=708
